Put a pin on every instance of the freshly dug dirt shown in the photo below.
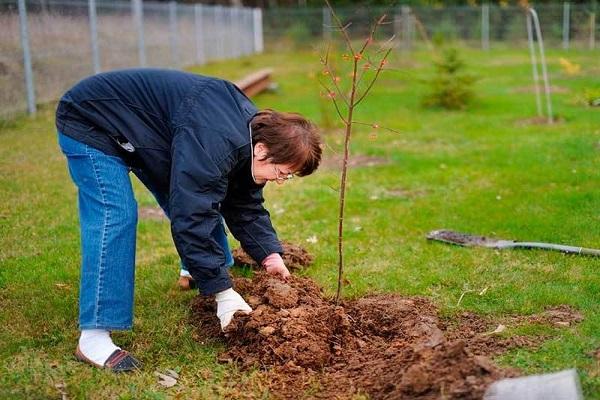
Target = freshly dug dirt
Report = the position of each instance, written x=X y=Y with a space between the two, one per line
x=294 y=257
x=384 y=346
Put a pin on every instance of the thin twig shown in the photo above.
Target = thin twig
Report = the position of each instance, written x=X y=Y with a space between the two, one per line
x=376 y=127
x=463 y=295
x=381 y=64
x=332 y=149
x=331 y=74
x=343 y=28
x=329 y=92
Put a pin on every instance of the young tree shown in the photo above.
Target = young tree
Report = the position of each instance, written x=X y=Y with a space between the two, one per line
x=366 y=67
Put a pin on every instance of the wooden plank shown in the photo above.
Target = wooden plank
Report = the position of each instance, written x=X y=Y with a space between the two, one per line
x=256 y=82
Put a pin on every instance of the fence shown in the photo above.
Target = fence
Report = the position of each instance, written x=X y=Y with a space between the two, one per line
x=565 y=25
x=47 y=45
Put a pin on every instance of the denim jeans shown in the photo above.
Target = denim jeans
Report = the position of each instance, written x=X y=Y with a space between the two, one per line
x=108 y=221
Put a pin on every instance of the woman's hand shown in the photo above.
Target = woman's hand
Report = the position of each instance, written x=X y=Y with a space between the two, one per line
x=275 y=266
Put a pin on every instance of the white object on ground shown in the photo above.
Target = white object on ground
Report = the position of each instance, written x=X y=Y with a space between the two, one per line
x=228 y=303
x=96 y=345
x=562 y=385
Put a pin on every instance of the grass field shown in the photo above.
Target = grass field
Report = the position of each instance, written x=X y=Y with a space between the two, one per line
x=482 y=170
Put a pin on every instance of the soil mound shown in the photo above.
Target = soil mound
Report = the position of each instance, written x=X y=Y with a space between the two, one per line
x=385 y=346
x=294 y=257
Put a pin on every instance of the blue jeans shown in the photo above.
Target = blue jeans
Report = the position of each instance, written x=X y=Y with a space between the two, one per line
x=108 y=221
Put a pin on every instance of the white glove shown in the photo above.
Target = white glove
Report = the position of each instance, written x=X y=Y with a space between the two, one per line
x=228 y=303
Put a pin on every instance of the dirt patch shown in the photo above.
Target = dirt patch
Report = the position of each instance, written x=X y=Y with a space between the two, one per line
x=538 y=121
x=531 y=89
x=404 y=193
x=560 y=316
x=151 y=213
x=483 y=337
x=384 y=346
x=358 y=160
x=294 y=257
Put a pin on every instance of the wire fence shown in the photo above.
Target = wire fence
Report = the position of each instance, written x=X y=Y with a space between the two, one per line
x=566 y=25
x=48 y=45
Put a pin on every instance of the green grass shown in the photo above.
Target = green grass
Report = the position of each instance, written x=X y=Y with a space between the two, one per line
x=479 y=170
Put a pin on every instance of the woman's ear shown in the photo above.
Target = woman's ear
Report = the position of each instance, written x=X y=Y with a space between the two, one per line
x=260 y=151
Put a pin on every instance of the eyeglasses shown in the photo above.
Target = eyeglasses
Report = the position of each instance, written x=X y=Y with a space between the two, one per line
x=280 y=177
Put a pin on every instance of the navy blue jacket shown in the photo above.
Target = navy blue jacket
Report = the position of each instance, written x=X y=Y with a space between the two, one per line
x=189 y=141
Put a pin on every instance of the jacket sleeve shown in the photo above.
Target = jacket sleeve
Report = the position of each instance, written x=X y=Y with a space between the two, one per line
x=197 y=188
x=249 y=221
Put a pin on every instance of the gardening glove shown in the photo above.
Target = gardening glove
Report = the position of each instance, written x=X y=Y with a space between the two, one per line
x=228 y=303
x=275 y=266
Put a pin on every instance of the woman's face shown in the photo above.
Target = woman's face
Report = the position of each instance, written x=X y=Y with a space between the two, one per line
x=263 y=170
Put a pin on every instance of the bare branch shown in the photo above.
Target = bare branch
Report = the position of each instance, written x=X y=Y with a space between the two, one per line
x=379 y=69
x=342 y=27
x=331 y=74
x=334 y=151
x=371 y=36
x=423 y=32
x=337 y=190
x=375 y=126
x=329 y=92
x=383 y=46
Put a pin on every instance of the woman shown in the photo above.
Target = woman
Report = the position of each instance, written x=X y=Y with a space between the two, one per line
x=205 y=152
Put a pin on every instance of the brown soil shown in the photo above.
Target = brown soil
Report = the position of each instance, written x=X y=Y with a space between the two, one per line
x=538 y=121
x=384 y=346
x=294 y=257
x=531 y=89
x=358 y=160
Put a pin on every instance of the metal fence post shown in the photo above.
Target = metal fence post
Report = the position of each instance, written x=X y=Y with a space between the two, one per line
x=534 y=64
x=566 y=24
x=258 y=31
x=326 y=24
x=198 y=33
x=94 y=36
x=249 y=30
x=219 y=24
x=406 y=28
x=234 y=37
x=592 y=30
x=173 y=34
x=26 y=57
x=485 y=26
x=138 y=19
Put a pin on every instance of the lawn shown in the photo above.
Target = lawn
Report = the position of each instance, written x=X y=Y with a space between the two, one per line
x=484 y=170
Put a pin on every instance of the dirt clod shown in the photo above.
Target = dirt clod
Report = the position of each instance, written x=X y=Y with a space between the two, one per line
x=294 y=257
x=281 y=295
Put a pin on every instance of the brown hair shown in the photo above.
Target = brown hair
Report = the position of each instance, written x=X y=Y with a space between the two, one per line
x=290 y=139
